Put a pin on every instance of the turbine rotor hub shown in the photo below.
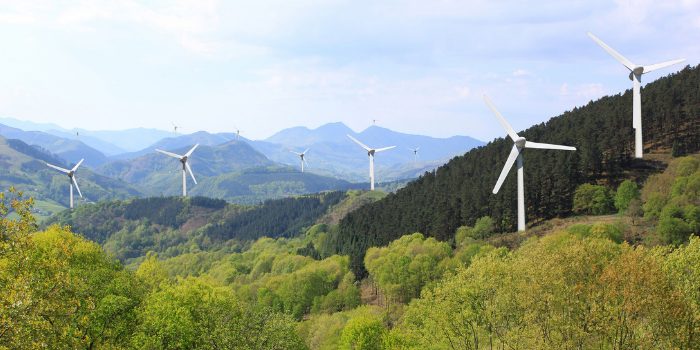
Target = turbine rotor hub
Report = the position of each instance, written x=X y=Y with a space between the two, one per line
x=183 y=160
x=520 y=142
x=371 y=152
x=638 y=70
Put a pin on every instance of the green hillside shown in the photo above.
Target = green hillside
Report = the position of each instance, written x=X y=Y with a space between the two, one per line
x=24 y=167
x=460 y=192
x=252 y=185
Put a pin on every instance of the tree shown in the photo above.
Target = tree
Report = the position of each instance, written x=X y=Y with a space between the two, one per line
x=593 y=199
x=635 y=209
x=627 y=192
x=364 y=332
x=675 y=230
x=653 y=206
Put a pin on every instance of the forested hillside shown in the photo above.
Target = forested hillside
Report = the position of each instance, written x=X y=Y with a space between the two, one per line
x=172 y=226
x=460 y=192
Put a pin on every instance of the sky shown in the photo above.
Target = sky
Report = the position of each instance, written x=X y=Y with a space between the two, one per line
x=418 y=67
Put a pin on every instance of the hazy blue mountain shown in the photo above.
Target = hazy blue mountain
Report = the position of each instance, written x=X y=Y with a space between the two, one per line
x=163 y=174
x=130 y=140
x=105 y=147
x=331 y=150
x=69 y=149
x=256 y=184
x=30 y=126
x=202 y=138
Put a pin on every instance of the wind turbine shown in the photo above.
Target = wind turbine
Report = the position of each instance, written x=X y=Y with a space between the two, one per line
x=636 y=72
x=519 y=144
x=370 y=153
x=303 y=160
x=71 y=179
x=76 y=136
x=185 y=167
x=238 y=134
x=374 y=122
x=175 y=128
x=415 y=154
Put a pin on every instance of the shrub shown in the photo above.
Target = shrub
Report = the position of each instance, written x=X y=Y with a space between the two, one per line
x=627 y=192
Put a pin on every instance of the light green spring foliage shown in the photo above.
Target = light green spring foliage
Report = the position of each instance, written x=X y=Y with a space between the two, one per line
x=60 y=290
x=194 y=313
x=324 y=331
x=598 y=230
x=561 y=292
x=626 y=193
x=409 y=263
x=673 y=204
x=593 y=200
x=483 y=228
x=364 y=332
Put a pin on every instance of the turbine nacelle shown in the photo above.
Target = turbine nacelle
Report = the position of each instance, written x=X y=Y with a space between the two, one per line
x=639 y=70
x=370 y=152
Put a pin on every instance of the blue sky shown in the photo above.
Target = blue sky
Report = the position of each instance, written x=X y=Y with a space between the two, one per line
x=418 y=67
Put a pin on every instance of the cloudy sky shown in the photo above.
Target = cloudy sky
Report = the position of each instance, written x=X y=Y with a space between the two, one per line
x=416 y=66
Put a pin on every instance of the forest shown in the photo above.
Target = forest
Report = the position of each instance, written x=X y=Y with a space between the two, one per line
x=439 y=202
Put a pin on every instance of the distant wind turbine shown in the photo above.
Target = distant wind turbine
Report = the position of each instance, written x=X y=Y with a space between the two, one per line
x=175 y=128
x=303 y=160
x=370 y=153
x=374 y=122
x=71 y=179
x=76 y=136
x=415 y=154
x=636 y=72
x=185 y=167
x=238 y=133
x=519 y=144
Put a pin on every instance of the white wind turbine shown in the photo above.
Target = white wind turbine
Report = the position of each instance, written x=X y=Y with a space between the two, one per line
x=72 y=180
x=370 y=153
x=636 y=72
x=415 y=154
x=175 y=128
x=303 y=160
x=185 y=167
x=518 y=146
x=238 y=134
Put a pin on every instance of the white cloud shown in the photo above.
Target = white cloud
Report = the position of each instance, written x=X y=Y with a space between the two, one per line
x=522 y=72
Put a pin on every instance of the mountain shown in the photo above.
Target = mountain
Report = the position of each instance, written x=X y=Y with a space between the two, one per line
x=24 y=167
x=105 y=147
x=330 y=149
x=252 y=185
x=202 y=138
x=69 y=149
x=460 y=192
x=128 y=140
x=162 y=173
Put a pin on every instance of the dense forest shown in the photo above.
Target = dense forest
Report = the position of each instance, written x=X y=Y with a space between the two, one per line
x=460 y=192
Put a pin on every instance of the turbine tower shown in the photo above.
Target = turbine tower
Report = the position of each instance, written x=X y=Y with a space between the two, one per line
x=370 y=153
x=185 y=167
x=175 y=128
x=71 y=179
x=519 y=144
x=636 y=72
x=303 y=160
x=238 y=134
x=76 y=136
x=415 y=154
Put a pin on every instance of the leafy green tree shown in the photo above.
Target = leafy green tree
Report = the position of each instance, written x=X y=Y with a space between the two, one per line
x=593 y=199
x=675 y=230
x=654 y=205
x=627 y=192
x=635 y=209
x=364 y=332
x=687 y=166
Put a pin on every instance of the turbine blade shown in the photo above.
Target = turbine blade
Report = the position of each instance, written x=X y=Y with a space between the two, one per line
x=513 y=135
x=307 y=163
x=170 y=154
x=506 y=168
x=636 y=101
x=192 y=150
x=412 y=149
x=77 y=165
x=614 y=53
x=59 y=168
x=417 y=148
x=173 y=124
x=654 y=67
x=530 y=144
x=190 y=170
x=305 y=151
x=295 y=152
x=383 y=149
x=76 y=186
x=360 y=143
